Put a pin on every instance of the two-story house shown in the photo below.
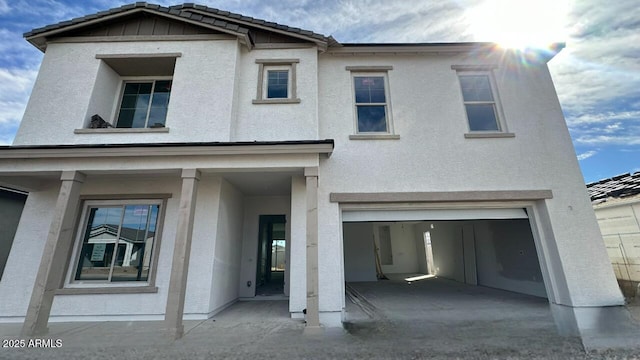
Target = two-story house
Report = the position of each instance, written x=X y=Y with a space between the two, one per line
x=179 y=159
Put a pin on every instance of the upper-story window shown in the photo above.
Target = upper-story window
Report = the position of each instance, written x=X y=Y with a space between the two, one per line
x=132 y=94
x=371 y=102
x=481 y=101
x=278 y=84
x=276 y=81
x=144 y=104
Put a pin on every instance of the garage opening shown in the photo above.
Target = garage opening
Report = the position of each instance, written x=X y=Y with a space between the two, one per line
x=444 y=271
x=497 y=253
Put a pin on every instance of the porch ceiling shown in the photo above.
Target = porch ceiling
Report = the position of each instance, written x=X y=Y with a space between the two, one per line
x=262 y=183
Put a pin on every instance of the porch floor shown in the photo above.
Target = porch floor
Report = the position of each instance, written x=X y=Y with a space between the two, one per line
x=434 y=318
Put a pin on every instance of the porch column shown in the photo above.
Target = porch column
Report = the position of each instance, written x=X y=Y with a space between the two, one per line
x=55 y=255
x=313 y=316
x=182 y=249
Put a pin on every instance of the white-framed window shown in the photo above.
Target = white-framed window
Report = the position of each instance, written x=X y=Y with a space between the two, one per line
x=371 y=103
x=480 y=99
x=276 y=81
x=144 y=103
x=117 y=242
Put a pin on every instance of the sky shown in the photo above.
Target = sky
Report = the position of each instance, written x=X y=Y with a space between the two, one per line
x=597 y=75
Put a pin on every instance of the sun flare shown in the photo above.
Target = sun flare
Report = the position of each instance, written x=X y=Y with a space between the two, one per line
x=520 y=24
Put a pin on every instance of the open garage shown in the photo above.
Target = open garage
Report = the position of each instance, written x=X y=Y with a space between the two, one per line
x=491 y=248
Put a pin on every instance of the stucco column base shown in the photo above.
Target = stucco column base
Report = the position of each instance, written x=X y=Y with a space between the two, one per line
x=313 y=330
x=174 y=333
x=599 y=327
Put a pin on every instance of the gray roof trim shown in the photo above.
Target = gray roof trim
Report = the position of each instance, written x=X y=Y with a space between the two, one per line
x=442 y=47
x=168 y=149
x=319 y=39
x=195 y=14
x=37 y=37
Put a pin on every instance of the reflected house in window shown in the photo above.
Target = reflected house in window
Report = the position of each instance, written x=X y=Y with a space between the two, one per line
x=133 y=253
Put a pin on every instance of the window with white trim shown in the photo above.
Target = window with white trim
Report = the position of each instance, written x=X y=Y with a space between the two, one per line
x=371 y=101
x=480 y=101
x=276 y=81
x=117 y=241
x=144 y=103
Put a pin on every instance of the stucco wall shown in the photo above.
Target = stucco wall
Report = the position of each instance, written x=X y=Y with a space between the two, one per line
x=228 y=248
x=203 y=242
x=264 y=122
x=200 y=107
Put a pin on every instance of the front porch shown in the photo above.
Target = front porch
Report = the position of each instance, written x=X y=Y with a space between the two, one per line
x=197 y=252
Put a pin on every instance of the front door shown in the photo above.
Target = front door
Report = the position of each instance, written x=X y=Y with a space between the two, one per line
x=271 y=255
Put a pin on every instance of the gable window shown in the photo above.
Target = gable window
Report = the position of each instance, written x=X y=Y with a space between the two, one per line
x=117 y=241
x=144 y=104
x=276 y=81
x=277 y=84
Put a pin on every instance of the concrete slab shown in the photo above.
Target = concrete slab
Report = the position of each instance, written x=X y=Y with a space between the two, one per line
x=263 y=329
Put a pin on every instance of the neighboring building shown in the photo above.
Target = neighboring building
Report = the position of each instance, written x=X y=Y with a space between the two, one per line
x=616 y=202
x=218 y=136
x=11 y=204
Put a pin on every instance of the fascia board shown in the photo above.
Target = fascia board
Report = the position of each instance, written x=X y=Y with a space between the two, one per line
x=154 y=151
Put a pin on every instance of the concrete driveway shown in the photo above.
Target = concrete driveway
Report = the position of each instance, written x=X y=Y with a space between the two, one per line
x=429 y=319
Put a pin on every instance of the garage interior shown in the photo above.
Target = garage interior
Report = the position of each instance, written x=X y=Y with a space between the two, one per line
x=460 y=265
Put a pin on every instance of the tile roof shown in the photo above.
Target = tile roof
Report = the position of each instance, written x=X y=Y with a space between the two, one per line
x=616 y=187
x=190 y=11
x=216 y=12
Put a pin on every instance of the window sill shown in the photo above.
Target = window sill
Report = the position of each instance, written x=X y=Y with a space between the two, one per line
x=483 y=135
x=121 y=130
x=108 y=290
x=374 y=137
x=275 y=101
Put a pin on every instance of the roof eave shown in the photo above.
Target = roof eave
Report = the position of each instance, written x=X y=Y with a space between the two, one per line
x=39 y=40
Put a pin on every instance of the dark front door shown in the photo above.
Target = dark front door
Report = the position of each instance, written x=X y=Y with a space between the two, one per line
x=271 y=255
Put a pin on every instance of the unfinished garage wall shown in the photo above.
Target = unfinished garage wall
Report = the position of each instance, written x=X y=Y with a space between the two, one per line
x=507 y=258
x=228 y=248
x=403 y=249
x=446 y=242
x=359 y=258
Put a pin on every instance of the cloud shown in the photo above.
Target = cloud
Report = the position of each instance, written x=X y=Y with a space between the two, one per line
x=4 y=7
x=15 y=87
x=586 y=155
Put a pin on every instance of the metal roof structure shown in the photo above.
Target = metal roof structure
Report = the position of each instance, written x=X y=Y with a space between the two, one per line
x=619 y=186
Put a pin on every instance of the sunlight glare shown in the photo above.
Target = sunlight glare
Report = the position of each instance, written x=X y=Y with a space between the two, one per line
x=520 y=24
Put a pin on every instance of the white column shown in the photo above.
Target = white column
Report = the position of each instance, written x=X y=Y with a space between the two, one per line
x=54 y=257
x=313 y=316
x=182 y=249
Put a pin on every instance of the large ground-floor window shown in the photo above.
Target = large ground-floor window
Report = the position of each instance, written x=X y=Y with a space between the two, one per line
x=117 y=241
